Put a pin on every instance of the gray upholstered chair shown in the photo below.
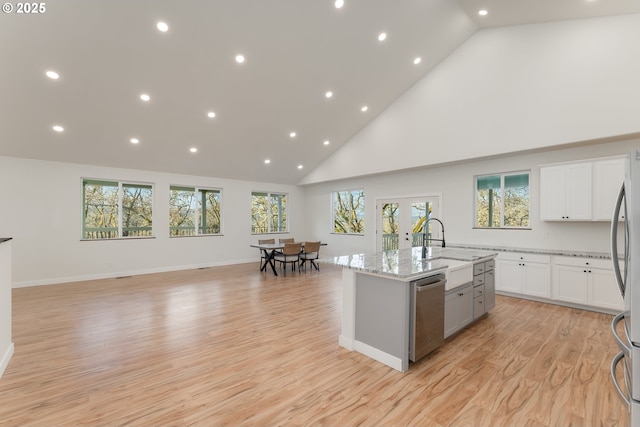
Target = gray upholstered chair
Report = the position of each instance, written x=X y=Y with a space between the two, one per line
x=290 y=254
x=310 y=253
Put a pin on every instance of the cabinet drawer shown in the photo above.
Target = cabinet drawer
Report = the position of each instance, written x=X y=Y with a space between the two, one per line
x=478 y=268
x=583 y=262
x=478 y=280
x=478 y=291
x=490 y=265
x=521 y=256
x=478 y=307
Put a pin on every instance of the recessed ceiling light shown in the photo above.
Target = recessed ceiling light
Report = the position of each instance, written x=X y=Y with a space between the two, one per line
x=53 y=75
x=338 y=4
x=482 y=12
x=326 y=142
x=417 y=60
x=364 y=108
x=382 y=36
x=134 y=140
x=193 y=149
x=239 y=59
x=300 y=166
x=211 y=114
x=145 y=97
x=162 y=26
x=292 y=135
x=58 y=128
x=267 y=161
x=329 y=94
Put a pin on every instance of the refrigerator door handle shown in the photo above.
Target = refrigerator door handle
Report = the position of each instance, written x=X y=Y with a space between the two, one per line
x=623 y=346
x=614 y=241
x=614 y=364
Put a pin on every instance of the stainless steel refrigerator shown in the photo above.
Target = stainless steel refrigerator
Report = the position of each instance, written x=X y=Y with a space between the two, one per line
x=625 y=254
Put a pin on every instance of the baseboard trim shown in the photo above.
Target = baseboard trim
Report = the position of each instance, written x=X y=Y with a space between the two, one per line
x=382 y=357
x=112 y=275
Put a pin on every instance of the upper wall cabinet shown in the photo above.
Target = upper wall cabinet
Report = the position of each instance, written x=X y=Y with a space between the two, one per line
x=584 y=191
x=565 y=192
x=608 y=176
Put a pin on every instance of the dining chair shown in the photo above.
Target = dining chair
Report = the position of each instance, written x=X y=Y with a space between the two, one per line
x=262 y=253
x=291 y=240
x=290 y=254
x=310 y=253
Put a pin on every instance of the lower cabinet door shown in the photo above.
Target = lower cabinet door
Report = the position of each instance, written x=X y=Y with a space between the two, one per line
x=537 y=279
x=466 y=306
x=604 y=290
x=450 y=314
x=570 y=284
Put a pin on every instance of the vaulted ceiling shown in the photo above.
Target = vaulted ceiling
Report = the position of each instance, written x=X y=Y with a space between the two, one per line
x=273 y=106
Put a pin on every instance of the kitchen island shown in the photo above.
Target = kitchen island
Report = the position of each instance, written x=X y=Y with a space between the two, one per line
x=377 y=299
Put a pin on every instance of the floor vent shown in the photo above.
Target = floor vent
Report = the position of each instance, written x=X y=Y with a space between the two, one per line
x=123 y=277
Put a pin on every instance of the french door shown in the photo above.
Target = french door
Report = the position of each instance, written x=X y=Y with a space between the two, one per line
x=400 y=221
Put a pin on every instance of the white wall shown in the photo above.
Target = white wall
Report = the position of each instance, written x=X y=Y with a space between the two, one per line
x=41 y=208
x=456 y=183
x=506 y=90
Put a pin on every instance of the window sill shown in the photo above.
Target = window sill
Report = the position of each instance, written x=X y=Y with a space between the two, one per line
x=196 y=235
x=119 y=238
x=501 y=228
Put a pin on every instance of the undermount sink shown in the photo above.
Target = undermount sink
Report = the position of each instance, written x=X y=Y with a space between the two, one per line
x=458 y=273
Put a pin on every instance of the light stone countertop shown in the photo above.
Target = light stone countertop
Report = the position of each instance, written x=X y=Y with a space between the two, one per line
x=407 y=264
x=558 y=252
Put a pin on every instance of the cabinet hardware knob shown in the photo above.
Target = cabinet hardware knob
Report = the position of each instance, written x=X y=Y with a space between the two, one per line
x=589 y=271
x=584 y=271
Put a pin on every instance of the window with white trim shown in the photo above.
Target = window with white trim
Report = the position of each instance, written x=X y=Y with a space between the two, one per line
x=502 y=200
x=268 y=212
x=115 y=209
x=348 y=211
x=194 y=211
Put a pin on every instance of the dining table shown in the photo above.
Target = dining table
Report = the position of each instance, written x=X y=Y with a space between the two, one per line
x=269 y=250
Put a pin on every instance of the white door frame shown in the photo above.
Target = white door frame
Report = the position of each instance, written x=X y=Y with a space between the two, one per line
x=405 y=215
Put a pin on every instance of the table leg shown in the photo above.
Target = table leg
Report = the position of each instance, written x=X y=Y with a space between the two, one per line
x=268 y=260
x=273 y=264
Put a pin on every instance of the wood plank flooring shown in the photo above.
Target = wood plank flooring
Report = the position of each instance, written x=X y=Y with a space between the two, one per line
x=229 y=346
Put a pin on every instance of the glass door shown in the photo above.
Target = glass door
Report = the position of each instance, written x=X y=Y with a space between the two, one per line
x=400 y=222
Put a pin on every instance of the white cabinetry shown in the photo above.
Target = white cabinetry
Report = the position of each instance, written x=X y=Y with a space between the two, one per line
x=580 y=191
x=458 y=309
x=521 y=273
x=608 y=176
x=585 y=281
x=565 y=192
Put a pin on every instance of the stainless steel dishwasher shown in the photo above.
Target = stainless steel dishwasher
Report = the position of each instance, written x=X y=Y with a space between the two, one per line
x=427 y=316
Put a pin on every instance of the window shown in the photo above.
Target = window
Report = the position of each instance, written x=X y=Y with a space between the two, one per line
x=112 y=209
x=502 y=201
x=268 y=213
x=189 y=206
x=348 y=212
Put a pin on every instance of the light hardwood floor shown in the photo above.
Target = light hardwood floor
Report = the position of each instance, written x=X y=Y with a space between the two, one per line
x=232 y=346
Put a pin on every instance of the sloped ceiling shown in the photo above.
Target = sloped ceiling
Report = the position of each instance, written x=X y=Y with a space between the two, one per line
x=109 y=52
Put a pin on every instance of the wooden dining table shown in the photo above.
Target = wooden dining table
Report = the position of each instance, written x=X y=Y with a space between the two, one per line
x=269 y=250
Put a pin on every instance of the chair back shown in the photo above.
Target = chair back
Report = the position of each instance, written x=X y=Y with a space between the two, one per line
x=291 y=240
x=292 y=248
x=266 y=241
x=311 y=247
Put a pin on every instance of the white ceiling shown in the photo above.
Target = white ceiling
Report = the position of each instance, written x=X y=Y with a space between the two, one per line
x=109 y=52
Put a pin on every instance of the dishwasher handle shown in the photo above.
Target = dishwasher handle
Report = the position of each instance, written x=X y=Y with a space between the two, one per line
x=420 y=288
